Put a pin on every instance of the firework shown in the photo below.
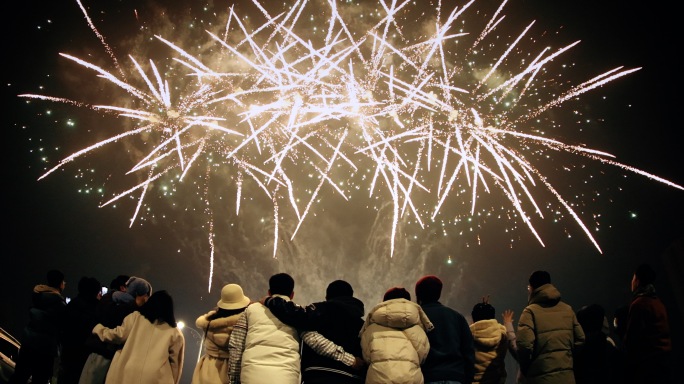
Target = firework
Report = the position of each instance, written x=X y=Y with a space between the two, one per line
x=311 y=100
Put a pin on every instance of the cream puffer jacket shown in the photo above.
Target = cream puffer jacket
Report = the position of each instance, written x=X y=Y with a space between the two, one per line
x=491 y=345
x=394 y=342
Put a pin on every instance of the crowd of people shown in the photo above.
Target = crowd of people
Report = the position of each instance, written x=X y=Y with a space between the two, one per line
x=130 y=335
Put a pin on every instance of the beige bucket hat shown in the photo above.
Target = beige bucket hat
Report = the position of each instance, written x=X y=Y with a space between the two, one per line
x=232 y=297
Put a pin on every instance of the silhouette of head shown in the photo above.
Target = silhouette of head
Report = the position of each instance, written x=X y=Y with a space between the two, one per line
x=338 y=288
x=281 y=284
x=396 y=293
x=539 y=278
x=591 y=317
x=645 y=274
x=55 y=278
x=428 y=289
x=483 y=310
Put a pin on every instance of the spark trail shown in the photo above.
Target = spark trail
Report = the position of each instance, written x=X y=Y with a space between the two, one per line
x=310 y=99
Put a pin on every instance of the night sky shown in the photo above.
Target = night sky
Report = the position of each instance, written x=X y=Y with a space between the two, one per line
x=57 y=222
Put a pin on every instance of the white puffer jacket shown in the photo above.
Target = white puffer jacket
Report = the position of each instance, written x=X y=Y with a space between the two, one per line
x=271 y=352
x=394 y=342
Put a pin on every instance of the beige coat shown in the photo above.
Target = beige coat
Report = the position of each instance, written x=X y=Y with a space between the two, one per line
x=213 y=366
x=491 y=345
x=152 y=353
x=394 y=342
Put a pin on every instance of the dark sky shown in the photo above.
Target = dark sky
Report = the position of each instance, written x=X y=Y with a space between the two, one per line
x=57 y=223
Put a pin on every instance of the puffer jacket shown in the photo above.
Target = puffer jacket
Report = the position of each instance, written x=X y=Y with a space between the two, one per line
x=548 y=333
x=213 y=365
x=394 y=342
x=271 y=350
x=490 y=351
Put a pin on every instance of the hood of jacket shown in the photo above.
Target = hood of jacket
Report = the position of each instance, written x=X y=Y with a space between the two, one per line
x=399 y=314
x=547 y=295
x=45 y=296
x=487 y=333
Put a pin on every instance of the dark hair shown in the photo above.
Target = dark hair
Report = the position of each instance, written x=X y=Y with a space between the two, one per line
x=221 y=313
x=118 y=281
x=281 y=284
x=428 y=289
x=483 y=310
x=645 y=274
x=159 y=307
x=55 y=278
x=89 y=287
x=539 y=278
x=591 y=317
x=396 y=293
x=338 y=288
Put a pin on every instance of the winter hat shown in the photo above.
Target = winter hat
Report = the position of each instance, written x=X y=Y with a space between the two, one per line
x=136 y=286
x=232 y=297
x=539 y=278
x=397 y=293
x=338 y=288
x=428 y=288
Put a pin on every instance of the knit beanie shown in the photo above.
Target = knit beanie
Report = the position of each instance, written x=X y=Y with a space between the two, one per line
x=136 y=286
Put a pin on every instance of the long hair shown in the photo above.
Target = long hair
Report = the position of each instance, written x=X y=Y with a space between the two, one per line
x=159 y=307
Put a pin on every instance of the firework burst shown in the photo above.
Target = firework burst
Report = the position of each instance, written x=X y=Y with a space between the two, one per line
x=404 y=102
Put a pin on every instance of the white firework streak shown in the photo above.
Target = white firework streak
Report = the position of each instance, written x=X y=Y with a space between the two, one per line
x=360 y=93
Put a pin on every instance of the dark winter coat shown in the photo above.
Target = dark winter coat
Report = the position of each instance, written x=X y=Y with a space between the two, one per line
x=452 y=350
x=598 y=361
x=110 y=312
x=647 y=338
x=79 y=320
x=340 y=320
x=548 y=334
x=43 y=331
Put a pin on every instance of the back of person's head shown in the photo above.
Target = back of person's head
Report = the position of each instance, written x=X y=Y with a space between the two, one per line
x=539 y=278
x=281 y=284
x=89 y=287
x=338 y=288
x=483 y=310
x=396 y=293
x=136 y=286
x=55 y=278
x=159 y=308
x=645 y=274
x=591 y=318
x=118 y=282
x=428 y=289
